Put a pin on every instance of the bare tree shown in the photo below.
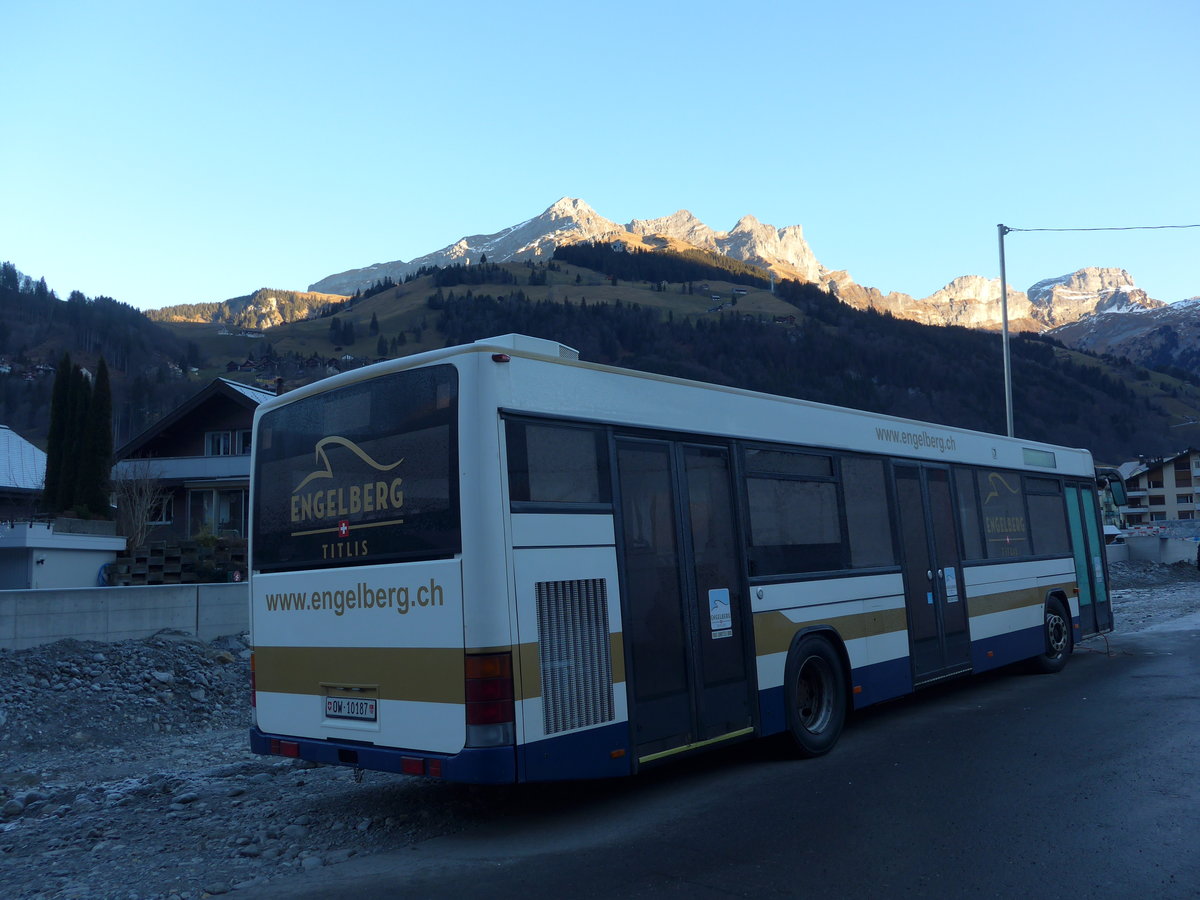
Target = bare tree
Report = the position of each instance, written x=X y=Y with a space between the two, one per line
x=139 y=496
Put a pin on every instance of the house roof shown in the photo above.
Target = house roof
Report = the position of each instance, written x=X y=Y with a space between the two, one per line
x=1138 y=466
x=257 y=394
x=22 y=465
x=243 y=394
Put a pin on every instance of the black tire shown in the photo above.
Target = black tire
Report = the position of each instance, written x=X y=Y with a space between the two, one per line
x=1056 y=634
x=815 y=693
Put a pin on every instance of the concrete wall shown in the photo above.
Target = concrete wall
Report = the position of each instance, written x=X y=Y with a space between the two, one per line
x=31 y=618
x=1161 y=549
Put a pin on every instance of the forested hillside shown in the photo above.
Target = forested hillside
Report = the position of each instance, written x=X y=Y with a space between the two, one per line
x=835 y=354
x=147 y=362
x=643 y=310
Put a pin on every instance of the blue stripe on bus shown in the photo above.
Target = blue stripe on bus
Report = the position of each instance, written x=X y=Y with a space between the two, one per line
x=472 y=765
x=1007 y=648
x=581 y=754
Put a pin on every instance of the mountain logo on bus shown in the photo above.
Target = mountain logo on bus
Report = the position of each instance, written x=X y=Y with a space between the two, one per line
x=350 y=496
x=997 y=481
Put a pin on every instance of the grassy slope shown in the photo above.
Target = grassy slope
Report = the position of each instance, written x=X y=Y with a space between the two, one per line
x=403 y=308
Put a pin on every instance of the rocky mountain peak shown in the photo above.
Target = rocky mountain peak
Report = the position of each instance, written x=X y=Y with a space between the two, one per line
x=681 y=225
x=573 y=209
x=972 y=300
x=1068 y=298
x=749 y=241
x=570 y=219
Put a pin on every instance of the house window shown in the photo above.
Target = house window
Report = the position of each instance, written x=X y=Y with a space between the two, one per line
x=164 y=512
x=218 y=443
x=243 y=442
x=1158 y=517
x=221 y=512
x=1183 y=498
x=1135 y=519
x=1184 y=516
x=1157 y=500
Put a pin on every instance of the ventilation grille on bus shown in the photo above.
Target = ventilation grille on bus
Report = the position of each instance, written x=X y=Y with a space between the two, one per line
x=574 y=653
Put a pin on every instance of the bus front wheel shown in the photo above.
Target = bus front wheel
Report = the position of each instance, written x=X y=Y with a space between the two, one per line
x=1057 y=637
x=815 y=693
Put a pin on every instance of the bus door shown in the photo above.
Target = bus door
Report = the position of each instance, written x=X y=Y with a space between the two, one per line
x=934 y=594
x=1087 y=543
x=685 y=621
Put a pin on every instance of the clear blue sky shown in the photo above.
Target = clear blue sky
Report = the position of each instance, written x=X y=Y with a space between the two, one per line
x=174 y=152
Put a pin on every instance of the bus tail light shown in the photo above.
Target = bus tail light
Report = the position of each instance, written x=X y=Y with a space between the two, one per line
x=491 y=712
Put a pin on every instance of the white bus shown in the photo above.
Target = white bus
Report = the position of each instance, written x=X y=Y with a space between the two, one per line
x=497 y=563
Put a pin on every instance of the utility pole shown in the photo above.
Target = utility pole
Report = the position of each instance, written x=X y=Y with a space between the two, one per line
x=1002 y=230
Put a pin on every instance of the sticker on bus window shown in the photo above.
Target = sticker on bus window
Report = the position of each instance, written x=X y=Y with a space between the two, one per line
x=720 y=616
x=951 y=585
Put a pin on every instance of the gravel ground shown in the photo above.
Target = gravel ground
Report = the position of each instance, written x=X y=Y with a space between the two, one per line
x=124 y=771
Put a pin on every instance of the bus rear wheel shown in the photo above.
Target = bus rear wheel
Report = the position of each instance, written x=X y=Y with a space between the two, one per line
x=1057 y=636
x=815 y=693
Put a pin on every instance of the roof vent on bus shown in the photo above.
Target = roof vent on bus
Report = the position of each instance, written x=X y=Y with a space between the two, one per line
x=526 y=344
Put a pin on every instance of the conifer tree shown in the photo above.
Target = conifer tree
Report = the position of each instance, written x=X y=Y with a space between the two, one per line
x=79 y=395
x=55 y=439
x=96 y=463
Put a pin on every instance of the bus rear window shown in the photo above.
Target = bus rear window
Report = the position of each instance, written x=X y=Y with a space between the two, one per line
x=360 y=475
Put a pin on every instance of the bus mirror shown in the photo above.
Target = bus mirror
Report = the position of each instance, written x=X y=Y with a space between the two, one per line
x=1111 y=480
x=1117 y=488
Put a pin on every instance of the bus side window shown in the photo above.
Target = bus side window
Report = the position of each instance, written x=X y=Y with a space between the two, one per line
x=868 y=522
x=1005 y=525
x=1047 y=517
x=968 y=513
x=550 y=463
x=794 y=520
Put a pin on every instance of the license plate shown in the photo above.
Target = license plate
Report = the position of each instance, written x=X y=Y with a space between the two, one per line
x=350 y=708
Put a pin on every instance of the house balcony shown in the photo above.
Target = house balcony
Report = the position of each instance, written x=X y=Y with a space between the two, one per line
x=178 y=469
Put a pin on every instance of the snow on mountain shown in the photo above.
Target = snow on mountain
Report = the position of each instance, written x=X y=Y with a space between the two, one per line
x=570 y=220
x=567 y=220
x=971 y=300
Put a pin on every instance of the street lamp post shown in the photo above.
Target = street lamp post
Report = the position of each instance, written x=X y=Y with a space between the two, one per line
x=1002 y=230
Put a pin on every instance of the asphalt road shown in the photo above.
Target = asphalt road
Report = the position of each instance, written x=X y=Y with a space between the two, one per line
x=1082 y=784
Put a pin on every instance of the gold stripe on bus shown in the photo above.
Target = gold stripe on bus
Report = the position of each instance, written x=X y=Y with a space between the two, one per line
x=530 y=685
x=427 y=675
x=433 y=675
x=1004 y=601
x=773 y=631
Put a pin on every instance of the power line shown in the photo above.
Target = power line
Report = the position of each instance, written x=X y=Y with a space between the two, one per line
x=1007 y=229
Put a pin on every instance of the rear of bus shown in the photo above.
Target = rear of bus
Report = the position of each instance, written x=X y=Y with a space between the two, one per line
x=356 y=586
